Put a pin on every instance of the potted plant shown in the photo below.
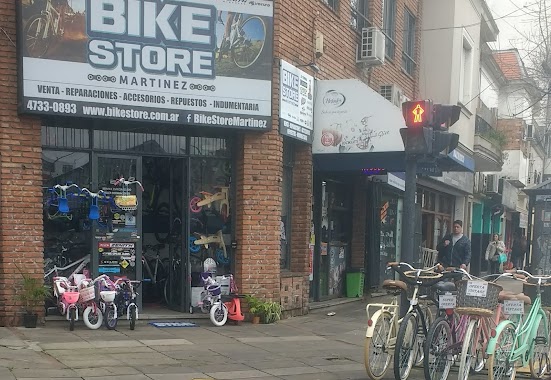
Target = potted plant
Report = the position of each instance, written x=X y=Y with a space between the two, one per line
x=254 y=308
x=33 y=294
x=271 y=312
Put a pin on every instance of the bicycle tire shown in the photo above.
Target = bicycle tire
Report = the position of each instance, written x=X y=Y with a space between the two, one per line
x=218 y=314
x=421 y=338
x=255 y=60
x=404 y=351
x=110 y=317
x=440 y=325
x=26 y=31
x=499 y=367
x=466 y=350
x=378 y=339
x=72 y=318
x=542 y=336
x=133 y=317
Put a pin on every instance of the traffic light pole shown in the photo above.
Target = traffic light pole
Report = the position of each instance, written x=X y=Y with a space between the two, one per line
x=408 y=221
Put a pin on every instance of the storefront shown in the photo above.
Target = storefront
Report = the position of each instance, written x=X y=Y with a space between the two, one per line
x=142 y=138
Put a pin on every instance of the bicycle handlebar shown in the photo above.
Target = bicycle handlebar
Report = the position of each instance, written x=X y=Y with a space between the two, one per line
x=425 y=282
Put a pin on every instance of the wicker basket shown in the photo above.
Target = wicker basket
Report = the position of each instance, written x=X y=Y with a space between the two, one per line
x=531 y=291
x=427 y=292
x=87 y=293
x=476 y=304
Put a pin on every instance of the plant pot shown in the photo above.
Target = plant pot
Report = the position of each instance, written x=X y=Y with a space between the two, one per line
x=256 y=320
x=30 y=320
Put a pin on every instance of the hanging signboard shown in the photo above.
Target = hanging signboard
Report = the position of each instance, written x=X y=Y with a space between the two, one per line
x=296 y=103
x=205 y=63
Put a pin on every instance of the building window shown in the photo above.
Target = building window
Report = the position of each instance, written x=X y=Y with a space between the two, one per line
x=333 y=4
x=287 y=203
x=408 y=61
x=465 y=84
x=360 y=12
x=389 y=27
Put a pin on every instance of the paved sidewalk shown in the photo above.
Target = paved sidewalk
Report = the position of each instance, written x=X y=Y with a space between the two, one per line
x=316 y=346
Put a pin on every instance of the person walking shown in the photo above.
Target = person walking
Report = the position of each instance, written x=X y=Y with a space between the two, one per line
x=518 y=250
x=495 y=248
x=455 y=249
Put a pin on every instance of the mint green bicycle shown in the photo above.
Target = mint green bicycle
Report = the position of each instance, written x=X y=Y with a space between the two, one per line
x=525 y=343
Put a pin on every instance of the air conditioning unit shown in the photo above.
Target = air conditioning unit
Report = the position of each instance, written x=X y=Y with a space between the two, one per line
x=492 y=184
x=393 y=94
x=371 y=50
x=479 y=183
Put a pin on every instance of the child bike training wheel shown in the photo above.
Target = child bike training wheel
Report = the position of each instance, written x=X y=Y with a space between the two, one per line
x=219 y=314
x=406 y=347
x=193 y=205
x=93 y=318
x=376 y=354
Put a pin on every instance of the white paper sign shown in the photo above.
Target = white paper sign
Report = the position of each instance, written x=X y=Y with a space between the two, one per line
x=511 y=307
x=477 y=288
x=447 y=301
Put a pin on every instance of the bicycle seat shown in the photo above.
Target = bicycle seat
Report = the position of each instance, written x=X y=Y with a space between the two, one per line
x=393 y=285
x=510 y=296
x=445 y=286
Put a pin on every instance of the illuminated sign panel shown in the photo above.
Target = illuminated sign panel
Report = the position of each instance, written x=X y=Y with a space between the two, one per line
x=418 y=113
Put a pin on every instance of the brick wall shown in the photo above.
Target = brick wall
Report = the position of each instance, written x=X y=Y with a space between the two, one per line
x=21 y=242
x=513 y=129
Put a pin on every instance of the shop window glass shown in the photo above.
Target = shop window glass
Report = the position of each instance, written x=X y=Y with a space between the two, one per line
x=65 y=137
x=287 y=203
x=210 y=147
x=146 y=143
x=67 y=235
x=210 y=181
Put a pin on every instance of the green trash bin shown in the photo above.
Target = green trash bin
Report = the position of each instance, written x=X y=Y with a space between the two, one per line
x=355 y=283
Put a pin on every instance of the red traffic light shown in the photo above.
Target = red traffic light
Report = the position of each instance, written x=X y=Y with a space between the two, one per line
x=418 y=113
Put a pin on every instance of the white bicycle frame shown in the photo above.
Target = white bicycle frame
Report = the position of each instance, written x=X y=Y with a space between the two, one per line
x=83 y=262
x=52 y=17
x=134 y=297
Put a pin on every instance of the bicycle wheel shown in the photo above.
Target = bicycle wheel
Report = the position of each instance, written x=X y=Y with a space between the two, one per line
x=72 y=318
x=92 y=317
x=539 y=360
x=438 y=358
x=468 y=350
x=376 y=353
x=110 y=317
x=219 y=314
x=133 y=316
x=37 y=38
x=421 y=338
x=499 y=365
x=250 y=44
x=406 y=346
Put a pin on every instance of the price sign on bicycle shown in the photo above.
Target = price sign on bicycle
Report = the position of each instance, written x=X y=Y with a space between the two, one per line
x=477 y=288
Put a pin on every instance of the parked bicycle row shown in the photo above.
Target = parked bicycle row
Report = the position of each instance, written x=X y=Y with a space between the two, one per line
x=479 y=327
x=96 y=300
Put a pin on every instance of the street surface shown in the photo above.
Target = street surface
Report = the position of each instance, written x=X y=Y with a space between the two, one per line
x=316 y=346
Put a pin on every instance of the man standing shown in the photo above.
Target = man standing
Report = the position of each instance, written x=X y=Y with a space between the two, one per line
x=455 y=249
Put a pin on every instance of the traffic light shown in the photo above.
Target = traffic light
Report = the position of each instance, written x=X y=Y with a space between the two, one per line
x=418 y=113
x=417 y=140
x=444 y=142
x=445 y=116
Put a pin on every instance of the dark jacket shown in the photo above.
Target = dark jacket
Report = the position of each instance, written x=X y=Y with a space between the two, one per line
x=454 y=255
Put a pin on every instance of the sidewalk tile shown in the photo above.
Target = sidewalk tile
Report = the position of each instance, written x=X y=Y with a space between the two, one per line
x=292 y=371
x=115 y=343
x=65 y=346
x=166 y=342
x=124 y=377
x=233 y=375
x=107 y=371
x=43 y=373
x=187 y=376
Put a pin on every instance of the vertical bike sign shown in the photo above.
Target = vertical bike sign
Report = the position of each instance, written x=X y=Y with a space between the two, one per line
x=200 y=62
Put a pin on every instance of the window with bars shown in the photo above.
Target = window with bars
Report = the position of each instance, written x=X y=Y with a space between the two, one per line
x=408 y=60
x=359 y=14
x=386 y=92
x=389 y=27
x=333 y=4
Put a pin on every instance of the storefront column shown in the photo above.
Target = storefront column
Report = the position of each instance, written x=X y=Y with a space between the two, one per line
x=359 y=224
x=259 y=170
x=21 y=245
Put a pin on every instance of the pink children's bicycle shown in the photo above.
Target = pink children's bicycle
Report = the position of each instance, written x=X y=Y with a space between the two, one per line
x=67 y=299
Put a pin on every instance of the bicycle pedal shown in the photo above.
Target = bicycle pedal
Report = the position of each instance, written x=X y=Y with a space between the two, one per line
x=541 y=340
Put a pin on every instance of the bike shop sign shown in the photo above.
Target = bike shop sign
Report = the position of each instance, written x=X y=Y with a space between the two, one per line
x=296 y=103
x=206 y=63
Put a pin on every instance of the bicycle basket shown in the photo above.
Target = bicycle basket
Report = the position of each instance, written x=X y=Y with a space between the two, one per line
x=531 y=290
x=126 y=202
x=425 y=292
x=480 y=304
x=87 y=293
